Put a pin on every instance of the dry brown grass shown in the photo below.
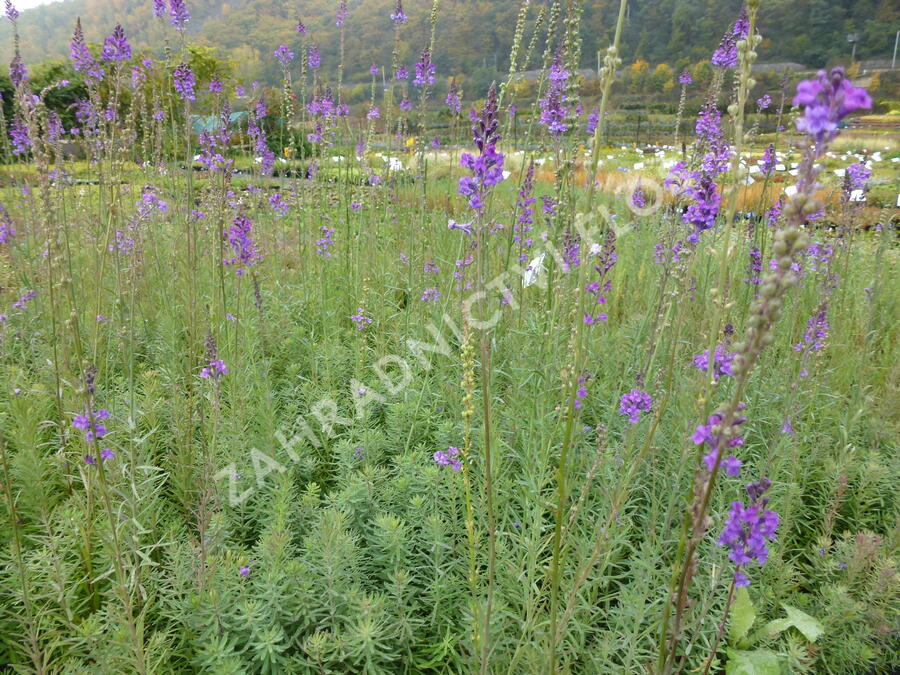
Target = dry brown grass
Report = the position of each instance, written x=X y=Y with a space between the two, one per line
x=855 y=141
x=754 y=197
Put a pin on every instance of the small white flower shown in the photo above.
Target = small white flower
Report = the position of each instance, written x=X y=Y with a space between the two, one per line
x=534 y=270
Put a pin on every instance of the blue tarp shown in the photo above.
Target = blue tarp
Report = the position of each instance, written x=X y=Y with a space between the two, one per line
x=201 y=123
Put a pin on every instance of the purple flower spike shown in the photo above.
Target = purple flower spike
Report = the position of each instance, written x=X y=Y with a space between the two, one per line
x=593 y=120
x=827 y=100
x=453 y=100
x=424 y=70
x=816 y=331
x=18 y=74
x=18 y=134
x=116 y=47
x=342 y=13
x=178 y=13
x=97 y=430
x=857 y=175
x=214 y=370
x=633 y=403
x=748 y=529
x=82 y=59
x=713 y=435
x=554 y=108
x=767 y=165
x=722 y=362
x=450 y=458
x=7 y=231
x=487 y=167
x=314 y=58
x=730 y=464
x=726 y=54
x=398 y=16
x=284 y=55
x=184 y=80
x=360 y=319
x=638 y=197
x=323 y=244
x=239 y=237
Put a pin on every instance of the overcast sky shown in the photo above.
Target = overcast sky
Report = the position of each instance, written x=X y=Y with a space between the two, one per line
x=28 y=4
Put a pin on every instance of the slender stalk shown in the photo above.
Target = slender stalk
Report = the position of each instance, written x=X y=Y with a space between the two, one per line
x=746 y=56
x=721 y=631
x=561 y=490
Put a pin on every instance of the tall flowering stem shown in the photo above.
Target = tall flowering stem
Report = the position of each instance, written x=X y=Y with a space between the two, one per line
x=467 y=357
x=487 y=171
x=827 y=100
x=542 y=17
x=745 y=38
x=342 y=15
x=684 y=79
x=607 y=75
x=423 y=80
x=516 y=46
x=398 y=18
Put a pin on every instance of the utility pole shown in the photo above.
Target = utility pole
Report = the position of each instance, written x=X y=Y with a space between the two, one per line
x=894 y=60
x=853 y=38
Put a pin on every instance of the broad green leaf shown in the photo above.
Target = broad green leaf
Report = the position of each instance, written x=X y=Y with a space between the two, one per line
x=776 y=626
x=757 y=662
x=743 y=614
x=803 y=622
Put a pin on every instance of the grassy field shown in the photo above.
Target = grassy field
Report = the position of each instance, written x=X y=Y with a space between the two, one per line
x=352 y=413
